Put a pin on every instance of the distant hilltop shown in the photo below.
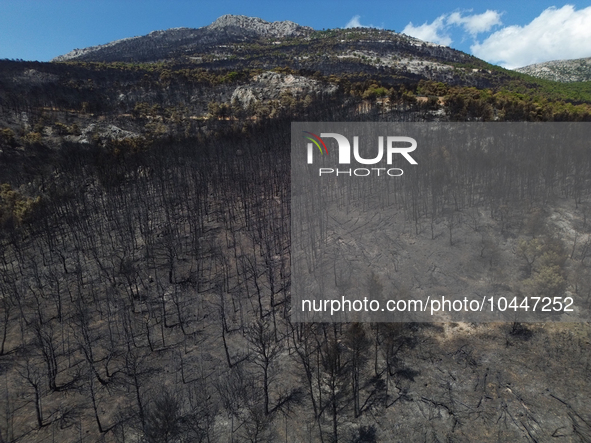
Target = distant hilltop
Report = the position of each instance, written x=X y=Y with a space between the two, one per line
x=575 y=70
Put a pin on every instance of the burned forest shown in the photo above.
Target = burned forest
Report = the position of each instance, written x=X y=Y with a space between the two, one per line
x=145 y=258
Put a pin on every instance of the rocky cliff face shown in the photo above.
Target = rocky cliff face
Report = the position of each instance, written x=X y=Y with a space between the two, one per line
x=259 y=26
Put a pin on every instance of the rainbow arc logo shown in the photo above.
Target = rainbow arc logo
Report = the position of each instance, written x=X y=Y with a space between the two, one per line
x=315 y=140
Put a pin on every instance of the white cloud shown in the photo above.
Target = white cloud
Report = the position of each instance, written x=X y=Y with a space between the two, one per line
x=477 y=23
x=433 y=32
x=355 y=23
x=555 y=34
x=438 y=30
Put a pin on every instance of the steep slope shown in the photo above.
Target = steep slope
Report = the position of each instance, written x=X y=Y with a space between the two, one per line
x=576 y=70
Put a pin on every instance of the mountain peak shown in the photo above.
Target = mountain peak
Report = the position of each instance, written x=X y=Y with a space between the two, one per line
x=260 y=26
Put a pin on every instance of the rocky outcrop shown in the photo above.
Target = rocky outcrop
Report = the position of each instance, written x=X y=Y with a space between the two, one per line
x=35 y=77
x=102 y=133
x=259 y=26
x=272 y=85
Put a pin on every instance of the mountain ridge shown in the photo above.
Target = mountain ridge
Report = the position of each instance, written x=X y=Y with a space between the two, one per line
x=226 y=28
x=240 y=42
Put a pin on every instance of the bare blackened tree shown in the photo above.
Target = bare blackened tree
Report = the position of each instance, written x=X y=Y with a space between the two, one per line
x=266 y=350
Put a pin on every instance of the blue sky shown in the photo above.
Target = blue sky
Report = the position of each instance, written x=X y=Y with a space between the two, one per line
x=510 y=33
